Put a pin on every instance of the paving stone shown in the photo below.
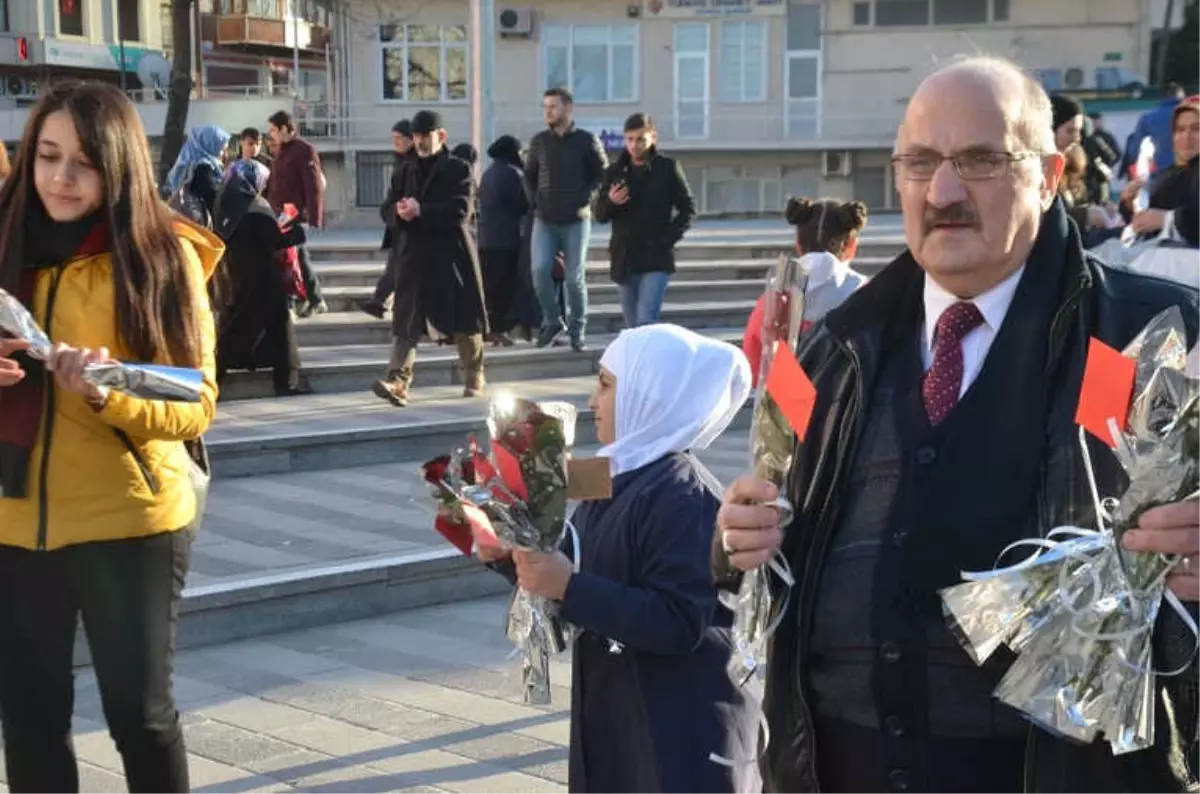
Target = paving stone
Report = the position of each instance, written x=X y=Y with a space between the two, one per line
x=232 y=745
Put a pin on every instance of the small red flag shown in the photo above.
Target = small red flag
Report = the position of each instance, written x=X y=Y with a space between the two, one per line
x=791 y=390
x=458 y=534
x=1106 y=391
x=510 y=472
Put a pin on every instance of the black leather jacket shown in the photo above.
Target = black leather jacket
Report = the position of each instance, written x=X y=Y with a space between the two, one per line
x=842 y=356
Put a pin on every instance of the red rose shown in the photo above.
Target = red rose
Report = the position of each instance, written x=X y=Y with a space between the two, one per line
x=436 y=470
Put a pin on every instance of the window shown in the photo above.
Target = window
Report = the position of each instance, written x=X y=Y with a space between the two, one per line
x=898 y=13
x=596 y=63
x=691 y=80
x=743 y=61
x=373 y=177
x=424 y=63
x=890 y=13
x=960 y=12
x=4 y=16
x=129 y=21
x=70 y=17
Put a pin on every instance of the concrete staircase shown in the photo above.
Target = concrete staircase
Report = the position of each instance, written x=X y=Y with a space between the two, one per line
x=284 y=546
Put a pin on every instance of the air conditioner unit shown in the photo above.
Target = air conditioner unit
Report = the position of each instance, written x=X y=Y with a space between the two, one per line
x=515 y=22
x=835 y=163
x=1073 y=78
x=19 y=88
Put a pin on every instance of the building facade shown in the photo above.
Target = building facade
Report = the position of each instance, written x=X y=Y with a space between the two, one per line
x=759 y=99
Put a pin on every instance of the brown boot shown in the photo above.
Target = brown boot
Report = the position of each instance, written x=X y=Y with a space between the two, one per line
x=393 y=390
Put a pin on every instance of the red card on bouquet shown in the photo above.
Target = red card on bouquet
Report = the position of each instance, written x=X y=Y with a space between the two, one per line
x=458 y=534
x=791 y=389
x=482 y=530
x=510 y=472
x=1106 y=391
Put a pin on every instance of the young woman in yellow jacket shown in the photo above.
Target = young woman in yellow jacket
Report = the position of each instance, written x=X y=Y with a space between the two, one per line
x=95 y=500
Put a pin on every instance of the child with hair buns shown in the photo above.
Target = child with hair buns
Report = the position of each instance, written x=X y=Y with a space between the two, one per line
x=826 y=239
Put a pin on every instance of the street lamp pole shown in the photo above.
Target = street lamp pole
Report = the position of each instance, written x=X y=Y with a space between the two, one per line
x=483 y=17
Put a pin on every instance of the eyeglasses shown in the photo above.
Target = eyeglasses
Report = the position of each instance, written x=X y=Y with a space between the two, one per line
x=971 y=166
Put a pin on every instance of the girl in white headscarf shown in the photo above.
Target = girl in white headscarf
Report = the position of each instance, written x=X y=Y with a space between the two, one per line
x=651 y=699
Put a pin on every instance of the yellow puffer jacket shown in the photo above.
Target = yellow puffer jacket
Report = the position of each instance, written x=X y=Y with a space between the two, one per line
x=85 y=484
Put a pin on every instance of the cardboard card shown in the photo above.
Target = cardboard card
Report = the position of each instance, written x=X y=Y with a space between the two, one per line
x=1106 y=391
x=510 y=472
x=458 y=534
x=589 y=479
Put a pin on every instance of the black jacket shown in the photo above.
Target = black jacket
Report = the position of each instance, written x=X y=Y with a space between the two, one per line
x=656 y=216
x=563 y=172
x=503 y=204
x=434 y=257
x=842 y=355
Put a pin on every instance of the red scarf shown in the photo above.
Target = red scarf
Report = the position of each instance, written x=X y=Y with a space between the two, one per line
x=21 y=405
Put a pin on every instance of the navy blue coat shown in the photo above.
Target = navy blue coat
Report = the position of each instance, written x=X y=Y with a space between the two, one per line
x=646 y=718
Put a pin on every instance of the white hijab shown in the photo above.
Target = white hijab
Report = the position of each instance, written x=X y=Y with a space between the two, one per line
x=676 y=391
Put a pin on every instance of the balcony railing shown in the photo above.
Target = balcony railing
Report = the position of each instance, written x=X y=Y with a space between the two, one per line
x=727 y=128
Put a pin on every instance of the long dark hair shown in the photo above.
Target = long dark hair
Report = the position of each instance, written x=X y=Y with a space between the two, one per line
x=825 y=224
x=155 y=300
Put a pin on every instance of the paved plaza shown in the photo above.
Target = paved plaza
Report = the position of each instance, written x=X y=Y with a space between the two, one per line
x=423 y=700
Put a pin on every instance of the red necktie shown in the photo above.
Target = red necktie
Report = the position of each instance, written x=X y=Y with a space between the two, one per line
x=944 y=380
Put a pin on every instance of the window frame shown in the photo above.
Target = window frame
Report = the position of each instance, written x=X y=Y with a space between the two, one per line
x=403 y=45
x=84 y=26
x=762 y=97
x=873 y=16
x=570 y=28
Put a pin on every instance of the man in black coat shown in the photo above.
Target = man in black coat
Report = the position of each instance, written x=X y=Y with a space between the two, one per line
x=943 y=431
x=438 y=283
x=376 y=305
x=646 y=196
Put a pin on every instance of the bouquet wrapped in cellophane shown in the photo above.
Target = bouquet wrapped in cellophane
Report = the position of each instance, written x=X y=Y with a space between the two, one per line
x=1079 y=613
x=772 y=442
x=516 y=498
x=145 y=381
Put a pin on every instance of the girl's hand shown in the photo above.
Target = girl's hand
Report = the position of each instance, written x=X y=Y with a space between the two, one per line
x=67 y=364
x=492 y=553
x=544 y=575
x=10 y=371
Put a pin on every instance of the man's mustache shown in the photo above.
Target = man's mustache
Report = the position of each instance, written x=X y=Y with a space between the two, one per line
x=955 y=214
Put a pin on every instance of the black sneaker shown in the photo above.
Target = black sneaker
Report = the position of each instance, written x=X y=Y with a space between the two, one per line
x=371 y=307
x=547 y=336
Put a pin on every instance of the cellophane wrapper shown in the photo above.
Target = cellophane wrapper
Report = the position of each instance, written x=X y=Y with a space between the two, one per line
x=1080 y=613
x=145 y=381
x=539 y=437
x=772 y=445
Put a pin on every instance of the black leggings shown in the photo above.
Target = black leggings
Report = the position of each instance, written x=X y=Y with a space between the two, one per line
x=127 y=592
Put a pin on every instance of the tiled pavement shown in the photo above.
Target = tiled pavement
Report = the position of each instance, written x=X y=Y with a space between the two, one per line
x=275 y=523
x=424 y=700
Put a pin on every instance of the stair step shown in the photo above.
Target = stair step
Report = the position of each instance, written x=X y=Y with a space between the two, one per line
x=333 y=431
x=353 y=328
x=353 y=368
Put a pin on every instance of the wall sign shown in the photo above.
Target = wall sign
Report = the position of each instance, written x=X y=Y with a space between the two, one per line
x=676 y=9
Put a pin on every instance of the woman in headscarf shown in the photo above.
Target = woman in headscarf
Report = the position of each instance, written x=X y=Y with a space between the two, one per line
x=651 y=701
x=198 y=167
x=503 y=204
x=254 y=324
x=1173 y=198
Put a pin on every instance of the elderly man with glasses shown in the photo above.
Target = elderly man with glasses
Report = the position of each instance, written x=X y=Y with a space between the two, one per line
x=944 y=431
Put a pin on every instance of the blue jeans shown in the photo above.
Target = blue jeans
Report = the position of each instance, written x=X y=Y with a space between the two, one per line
x=642 y=298
x=572 y=240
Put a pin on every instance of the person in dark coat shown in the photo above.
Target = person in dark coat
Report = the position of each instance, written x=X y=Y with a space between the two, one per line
x=944 y=429
x=651 y=699
x=503 y=205
x=439 y=287
x=376 y=305
x=254 y=323
x=1172 y=190
x=647 y=198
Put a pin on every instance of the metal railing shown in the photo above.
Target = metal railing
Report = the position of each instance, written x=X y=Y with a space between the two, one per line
x=722 y=127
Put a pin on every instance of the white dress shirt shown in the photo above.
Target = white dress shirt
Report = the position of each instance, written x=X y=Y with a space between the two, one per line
x=993 y=305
